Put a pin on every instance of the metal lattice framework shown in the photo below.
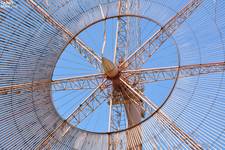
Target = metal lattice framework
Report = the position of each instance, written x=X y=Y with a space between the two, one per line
x=33 y=36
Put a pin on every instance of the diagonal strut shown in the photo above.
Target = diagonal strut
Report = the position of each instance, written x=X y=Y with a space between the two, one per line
x=170 y=73
x=75 y=83
x=80 y=46
x=120 y=50
x=89 y=105
x=165 y=120
x=144 y=52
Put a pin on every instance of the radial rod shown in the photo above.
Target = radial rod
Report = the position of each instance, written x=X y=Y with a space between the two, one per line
x=75 y=83
x=145 y=51
x=89 y=105
x=171 y=73
x=120 y=50
x=80 y=46
x=164 y=119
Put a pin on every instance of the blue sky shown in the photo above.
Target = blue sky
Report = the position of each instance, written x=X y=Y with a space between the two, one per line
x=71 y=64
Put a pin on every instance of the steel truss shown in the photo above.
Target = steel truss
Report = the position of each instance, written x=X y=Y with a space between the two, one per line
x=128 y=93
x=171 y=73
x=145 y=51
x=89 y=105
x=79 y=45
x=166 y=31
x=121 y=53
x=164 y=119
x=120 y=50
x=76 y=83
x=116 y=118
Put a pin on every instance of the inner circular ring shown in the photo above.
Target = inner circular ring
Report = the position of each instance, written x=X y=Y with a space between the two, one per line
x=178 y=60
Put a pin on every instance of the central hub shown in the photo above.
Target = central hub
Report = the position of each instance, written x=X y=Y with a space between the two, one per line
x=112 y=72
x=110 y=69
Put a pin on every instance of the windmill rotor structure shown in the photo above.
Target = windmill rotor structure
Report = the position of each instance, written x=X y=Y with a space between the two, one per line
x=123 y=74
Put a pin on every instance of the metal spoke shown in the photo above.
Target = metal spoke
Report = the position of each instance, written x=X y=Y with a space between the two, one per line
x=58 y=133
x=142 y=97
x=88 y=106
x=110 y=115
x=75 y=83
x=164 y=119
x=87 y=53
x=120 y=50
x=79 y=45
x=171 y=73
x=144 y=52
x=118 y=117
x=104 y=30
x=134 y=99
